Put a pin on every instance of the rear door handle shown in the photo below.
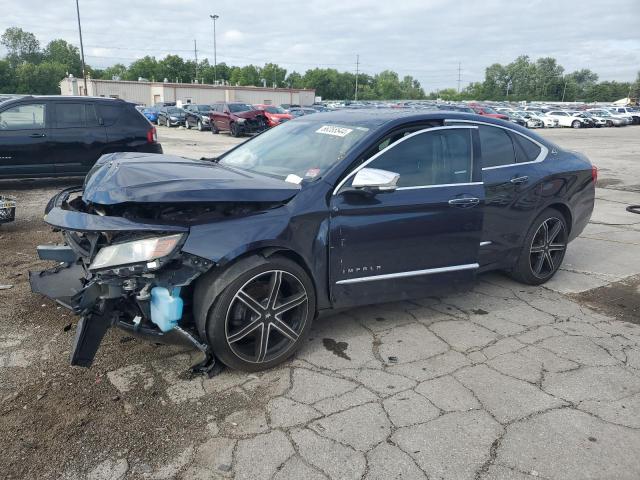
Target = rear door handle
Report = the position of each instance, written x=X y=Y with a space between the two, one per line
x=38 y=135
x=464 y=202
x=519 y=180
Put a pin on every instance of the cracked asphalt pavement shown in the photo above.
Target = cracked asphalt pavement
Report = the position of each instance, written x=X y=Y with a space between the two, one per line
x=503 y=382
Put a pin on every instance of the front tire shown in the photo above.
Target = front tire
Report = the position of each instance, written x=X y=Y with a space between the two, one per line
x=199 y=125
x=263 y=316
x=186 y=124
x=234 y=130
x=544 y=248
x=576 y=124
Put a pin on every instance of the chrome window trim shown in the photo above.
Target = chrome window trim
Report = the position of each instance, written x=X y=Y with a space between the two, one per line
x=544 y=151
x=388 y=147
x=413 y=273
x=439 y=185
x=485 y=243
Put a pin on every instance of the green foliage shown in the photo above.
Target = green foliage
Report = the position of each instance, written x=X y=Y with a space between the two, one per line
x=21 y=46
x=59 y=51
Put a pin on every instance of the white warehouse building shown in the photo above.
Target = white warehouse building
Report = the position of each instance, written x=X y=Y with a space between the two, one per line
x=150 y=93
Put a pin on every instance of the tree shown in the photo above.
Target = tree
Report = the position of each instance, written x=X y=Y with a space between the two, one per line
x=146 y=67
x=21 y=46
x=294 y=80
x=59 y=51
x=117 y=71
x=42 y=79
x=7 y=77
x=274 y=75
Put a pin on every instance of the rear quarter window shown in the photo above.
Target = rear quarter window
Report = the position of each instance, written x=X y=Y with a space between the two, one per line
x=526 y=150
x=496 y=146
x=110 y=114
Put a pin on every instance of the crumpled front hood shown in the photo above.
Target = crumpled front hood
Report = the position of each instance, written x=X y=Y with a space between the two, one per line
x=152 y=178
x=249 y=114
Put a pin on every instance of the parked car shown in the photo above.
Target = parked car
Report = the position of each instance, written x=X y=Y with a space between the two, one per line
x=515 y=118
x=274 y=115
x=487 y=111
x=197 y=116
x=596 y=121
x=610 y=119
x=533 y=120
x=632 y=114
x=171 y=116
x=287 y=106
x=237 y=118
x=565 y=119
x=151 y=113
x=238 y=256
x=56 y=136
x=299 y=112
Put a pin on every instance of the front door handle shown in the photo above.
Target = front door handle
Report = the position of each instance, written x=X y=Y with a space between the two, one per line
x=38 y=135
x=466 y=202
x=519 y=180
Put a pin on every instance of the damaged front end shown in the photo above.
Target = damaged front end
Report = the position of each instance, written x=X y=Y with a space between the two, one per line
x=115 y=271
x=123 y=263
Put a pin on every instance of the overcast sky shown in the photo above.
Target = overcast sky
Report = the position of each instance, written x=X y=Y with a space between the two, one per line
x=424 y=38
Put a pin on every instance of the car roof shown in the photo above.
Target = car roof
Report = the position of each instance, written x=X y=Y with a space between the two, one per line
x=65 y=98
x=381 y=118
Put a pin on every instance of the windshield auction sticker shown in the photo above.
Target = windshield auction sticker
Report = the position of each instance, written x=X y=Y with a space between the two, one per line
x=335 y=131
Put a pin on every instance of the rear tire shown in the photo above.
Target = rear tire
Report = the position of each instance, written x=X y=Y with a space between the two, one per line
x=543 y=250
x=247 y=310
x=214 y=129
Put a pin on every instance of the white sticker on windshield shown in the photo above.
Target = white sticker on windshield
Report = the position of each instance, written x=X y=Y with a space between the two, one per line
x=335 y=131
x=293 y=178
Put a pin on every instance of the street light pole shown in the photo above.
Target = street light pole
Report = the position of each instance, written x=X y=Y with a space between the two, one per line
x=84 y=73
x=215 y=59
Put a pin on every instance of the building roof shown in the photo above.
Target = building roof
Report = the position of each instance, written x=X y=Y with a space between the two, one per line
x=196 y=85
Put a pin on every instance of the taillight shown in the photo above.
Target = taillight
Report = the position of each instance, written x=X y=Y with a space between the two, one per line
x=152 y=135
x=594 y=173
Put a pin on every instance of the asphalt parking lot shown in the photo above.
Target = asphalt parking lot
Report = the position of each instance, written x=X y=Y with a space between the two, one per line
x=504 y=382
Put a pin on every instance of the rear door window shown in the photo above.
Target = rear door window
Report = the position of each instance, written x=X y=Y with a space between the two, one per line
x=23 y=117
x=496 y=146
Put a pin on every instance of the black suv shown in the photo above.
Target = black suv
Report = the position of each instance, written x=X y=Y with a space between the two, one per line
x=55 y=136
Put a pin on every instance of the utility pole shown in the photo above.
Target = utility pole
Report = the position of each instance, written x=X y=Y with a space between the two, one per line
x=357 y=72
x=84 y=73
x=459 y=75
x=564 y=90
x=215 y=59
x=195 y=54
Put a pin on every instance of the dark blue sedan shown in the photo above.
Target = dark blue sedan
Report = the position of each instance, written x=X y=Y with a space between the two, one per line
x=237 y=255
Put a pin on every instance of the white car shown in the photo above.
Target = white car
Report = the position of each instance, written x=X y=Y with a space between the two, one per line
x=634 y=113
x=547 y=122
x=597 y=121
x=610 y=119
x=566 y=119
x=533 y=121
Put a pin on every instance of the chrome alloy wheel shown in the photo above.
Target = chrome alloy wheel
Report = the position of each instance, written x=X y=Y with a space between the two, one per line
x=266 y=316
x=547 y=248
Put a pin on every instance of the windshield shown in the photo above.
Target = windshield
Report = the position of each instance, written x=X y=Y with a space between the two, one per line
x=203 y=108
x=274 y=110
x=489 y=110
x=239 y=107
x=173 y=110
x=301 y=148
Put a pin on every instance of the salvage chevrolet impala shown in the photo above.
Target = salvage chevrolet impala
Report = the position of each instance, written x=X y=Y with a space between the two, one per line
x=238 y=255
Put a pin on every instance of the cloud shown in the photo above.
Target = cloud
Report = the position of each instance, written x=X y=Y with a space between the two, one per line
x=424 y=38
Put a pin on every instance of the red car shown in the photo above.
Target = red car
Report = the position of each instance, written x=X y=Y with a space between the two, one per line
x=275 y=115
x=236 y=118
x=487 y=111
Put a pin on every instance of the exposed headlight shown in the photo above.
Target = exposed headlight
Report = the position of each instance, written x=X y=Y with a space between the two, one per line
x=205 y=119
x=137 y=251
x=173 y=118
x=241 y=120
